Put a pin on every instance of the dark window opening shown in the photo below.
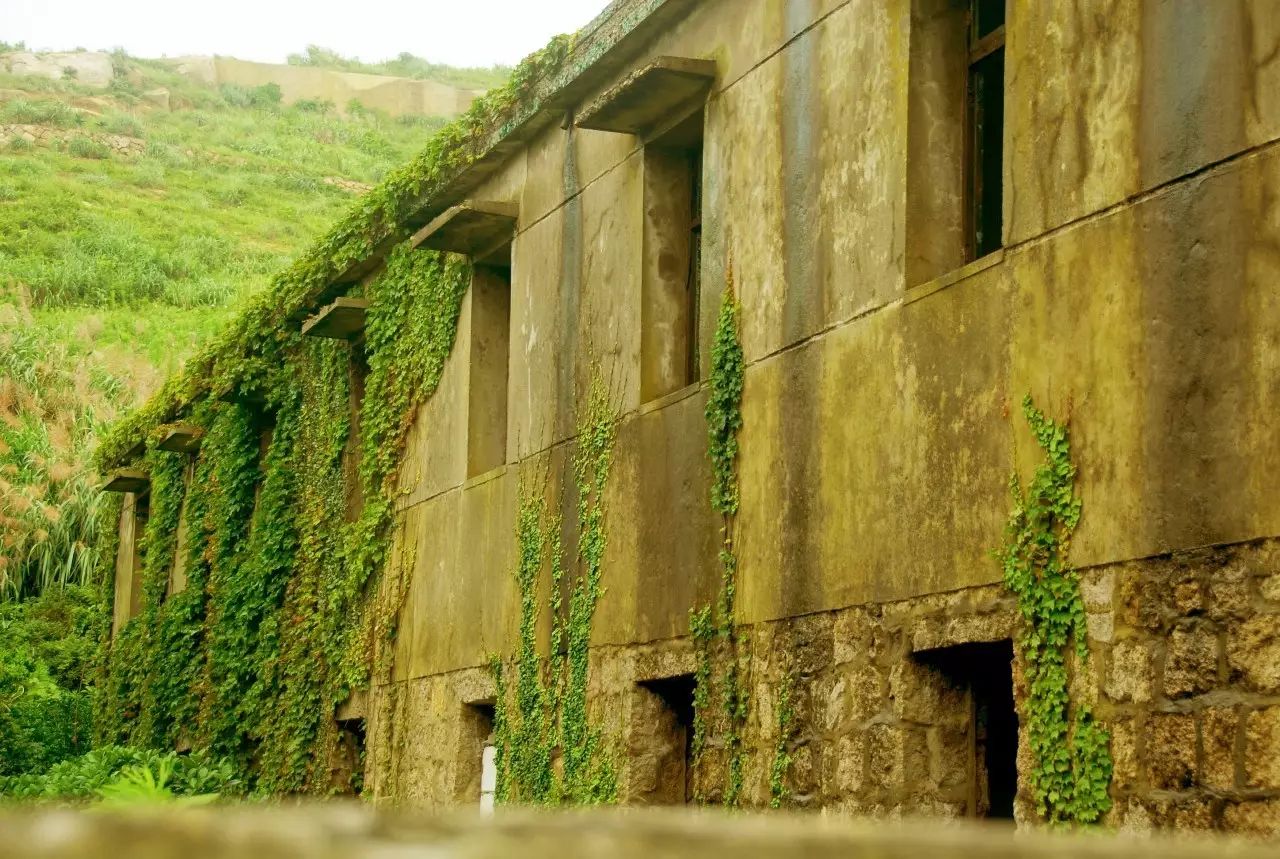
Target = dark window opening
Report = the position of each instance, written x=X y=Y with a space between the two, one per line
x=985 y=118
x=348 y=773
x=672 y=275
x=141 y=515
x=670 y=706
x=985 y=671
x=478 y=768
x=490 y=353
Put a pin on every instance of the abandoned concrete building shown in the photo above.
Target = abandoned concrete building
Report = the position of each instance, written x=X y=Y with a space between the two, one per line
x=928 y=210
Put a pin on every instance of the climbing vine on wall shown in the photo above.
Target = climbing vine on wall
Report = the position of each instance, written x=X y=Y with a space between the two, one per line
x=275 y=626
x=285 y=548
x=785 y=714
x=718 y=673
x=543 y=717
x=1072 y=756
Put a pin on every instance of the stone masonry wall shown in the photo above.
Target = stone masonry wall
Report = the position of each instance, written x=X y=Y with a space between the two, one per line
x=1184 y=671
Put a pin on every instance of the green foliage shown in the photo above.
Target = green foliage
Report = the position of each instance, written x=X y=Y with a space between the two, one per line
x=550 y=718
x=140 y=785
x=87 y=147
x=785 y=714
x=47 y=646
x=288 y=623
x=1072 y=756
x=112 y=270
x=122 y=773
x=405 y=65
x=715 y=634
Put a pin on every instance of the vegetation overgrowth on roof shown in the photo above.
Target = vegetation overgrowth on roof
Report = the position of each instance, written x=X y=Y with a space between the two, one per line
x=248 y=352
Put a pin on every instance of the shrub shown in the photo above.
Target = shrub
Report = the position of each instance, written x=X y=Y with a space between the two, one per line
x=83 y=778
x=265 y=96
x=122 y=123
x=87 y=147
x=314 y=105
x=47 y=646
x=40 y=112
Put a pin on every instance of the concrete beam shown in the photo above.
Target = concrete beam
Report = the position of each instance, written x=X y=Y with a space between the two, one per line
x=126 y=480
x=476 y=228
x=650 y=98
x=182 y=438
x=343 y=319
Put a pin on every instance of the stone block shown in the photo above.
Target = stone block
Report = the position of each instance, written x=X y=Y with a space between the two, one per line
x=1269 y=588
x=1191 y=662
x=1124 y=753
x=811 y=643
x=1253 y=652
x=1252 y=818
x=1228 y=593
x=1098 y=587
x=852 y=633
x=850 y=766
x=1171 y=751
x=885 y=764
x=1218 y=729
x=1101 y=625
x=1129 y=672
x=1262 y=749
x=1188 y=597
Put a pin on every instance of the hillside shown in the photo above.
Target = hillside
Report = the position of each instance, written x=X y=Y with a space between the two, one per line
x=130 y=222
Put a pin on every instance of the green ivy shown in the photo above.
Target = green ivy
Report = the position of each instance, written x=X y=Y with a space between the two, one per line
x=715 y=633
x=275 y=626
x=785 y=714
x=1072 y=756
x=549 y=719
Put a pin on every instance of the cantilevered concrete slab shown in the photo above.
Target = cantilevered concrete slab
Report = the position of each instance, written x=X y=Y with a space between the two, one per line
x=341 y=320
x=181 y=438
x=126 y=480
x=477 y=228
x=652 y=98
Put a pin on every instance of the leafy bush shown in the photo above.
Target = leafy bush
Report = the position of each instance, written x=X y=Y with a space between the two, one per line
x=87 y=147
x=110 y=769
x=47 y=646
x=41 y=112
x=121 y=123
x=314 y=105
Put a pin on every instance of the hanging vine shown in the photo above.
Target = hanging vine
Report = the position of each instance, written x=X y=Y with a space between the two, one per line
x=785 y=713
x=1072 y=756
x=544 y=718
x=714 y=630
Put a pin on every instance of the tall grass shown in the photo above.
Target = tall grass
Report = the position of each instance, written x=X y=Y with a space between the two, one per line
x=114 y=268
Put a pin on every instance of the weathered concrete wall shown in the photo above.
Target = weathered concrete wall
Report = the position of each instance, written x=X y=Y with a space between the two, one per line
x=397 y=96
x=1135 y=294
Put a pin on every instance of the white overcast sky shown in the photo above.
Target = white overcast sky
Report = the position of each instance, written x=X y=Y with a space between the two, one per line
x=458 y=32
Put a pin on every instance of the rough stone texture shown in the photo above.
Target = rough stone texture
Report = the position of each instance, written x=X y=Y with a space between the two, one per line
x=880 y=730
x=91 y=68
x=339 y=831
x=42 y=135
x=397 y=96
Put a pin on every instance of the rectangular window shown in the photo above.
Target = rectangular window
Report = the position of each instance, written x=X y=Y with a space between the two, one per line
x=983 y=672
x=984 y=183
x=955 y=135
x=490 y=298
x=671 y=280
x=666 y=708
x=478 y=765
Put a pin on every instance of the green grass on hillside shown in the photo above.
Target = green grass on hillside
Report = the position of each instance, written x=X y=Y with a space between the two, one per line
x=405 y=65
x=114 y=268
